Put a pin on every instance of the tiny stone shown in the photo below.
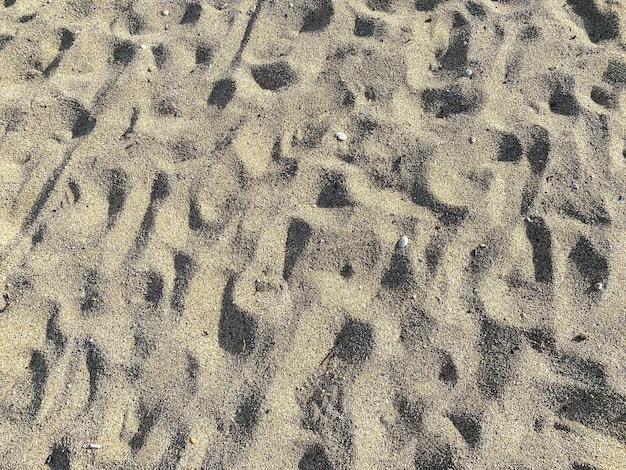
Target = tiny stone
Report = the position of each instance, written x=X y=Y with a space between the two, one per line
x=193 y=440
x=143 y=46
x=574 y=186
x=340 y=136
x=472 y=140
x=599 y=286
x=404 y=241
x=165 y=12
x=620 y=198
x=468 y=73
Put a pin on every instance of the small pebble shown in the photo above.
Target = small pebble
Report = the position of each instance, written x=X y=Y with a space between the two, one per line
x=404 y=241
x=620 y=198
x=340 y=136
x=165 y=12
x=599 y=286
x=468 y=73
x=144 y=47
x=193 y=440
x=472 y=140
x=574 y=186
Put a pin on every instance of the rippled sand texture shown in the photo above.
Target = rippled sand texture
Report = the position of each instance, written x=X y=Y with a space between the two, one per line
x=196 y=273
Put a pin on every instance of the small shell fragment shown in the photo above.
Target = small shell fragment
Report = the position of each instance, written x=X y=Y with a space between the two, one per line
x=340 y=136
x=468 y=73
x=599 y=286
x=404 y=241
x=92 y=446
x=193 y=440
x=165 y=12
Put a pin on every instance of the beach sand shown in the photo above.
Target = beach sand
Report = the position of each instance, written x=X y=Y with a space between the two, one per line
x=200 y=271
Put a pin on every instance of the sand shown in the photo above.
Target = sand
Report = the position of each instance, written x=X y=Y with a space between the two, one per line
x=198 y=271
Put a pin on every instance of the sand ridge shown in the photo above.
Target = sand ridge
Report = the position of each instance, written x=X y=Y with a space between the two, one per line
x=198 y=273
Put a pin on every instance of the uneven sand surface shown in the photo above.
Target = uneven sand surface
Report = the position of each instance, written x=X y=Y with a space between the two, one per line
x=198 y=273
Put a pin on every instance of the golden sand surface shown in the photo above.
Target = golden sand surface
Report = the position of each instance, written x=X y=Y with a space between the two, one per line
x=201 y=208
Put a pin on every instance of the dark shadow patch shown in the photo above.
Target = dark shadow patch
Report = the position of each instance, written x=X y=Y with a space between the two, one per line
x=599 y=26
x=540 y=238
x=287 y=168
x=9 y=3
x=348 y=99
x=409 y=414
x=529 y=194
x=354 y=343
x=435 y=458
x=4 y=40
x=237 y=329
x=601 y=410
x=136 y=24
x=586 y=371
x=193 y=371
x=54 y=333
x=116 y=196
x=379 y=5
x=147 y=420
x=37 y=237
x=314 y=458
x=192 y=14
x=590 y=264
x=588 y=213
x=158 y=193
x=366 y=127
x=222 y=92
x=75 y=189
x=298 y=235
x=183 y=268
x=584 y=466
x=273 y=76
x=123 y=53
x=204 y=55
x=469 y=427
x=246 y=418
x=541 y=341
x=447 y=215
x=538 y=152
x=529 y=33
x=448 y=373
x=476 y=9
x=154 y=289
x=370 y=93
x=510 y=149
x=334 y=193
x=364 y=27
x=480 y=259
x=161 y=54
x=312 y=136
x=83 y=123
x=445 y=102
x=455 y=57
x=52 y=66
x=166 y=107
x=132 y=124
x=95 y=367
x=603 y=97
x=499 y=348
x=319 y=18
x=60 y=457
x=400 y=274
x=347 y=272
x=615 y=73
x=563 y=102
x=174 y=452
x=427 y=5
x=67 y=39
x=39 y=371
x=27 y=18
x=92 y=300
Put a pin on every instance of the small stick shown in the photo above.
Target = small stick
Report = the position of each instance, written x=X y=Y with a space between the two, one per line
x=329 y=356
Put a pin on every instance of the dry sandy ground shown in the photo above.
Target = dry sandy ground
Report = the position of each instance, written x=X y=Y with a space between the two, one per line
x=198 y=272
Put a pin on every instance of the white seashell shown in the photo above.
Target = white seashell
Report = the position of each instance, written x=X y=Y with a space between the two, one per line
x=340 y=136
x=404 y=241
x=468 y=73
